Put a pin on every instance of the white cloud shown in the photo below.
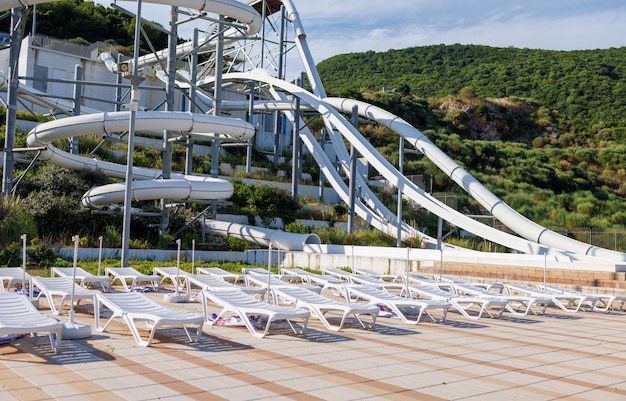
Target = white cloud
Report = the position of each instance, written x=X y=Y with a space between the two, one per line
x=344 y=26
x=560 y=25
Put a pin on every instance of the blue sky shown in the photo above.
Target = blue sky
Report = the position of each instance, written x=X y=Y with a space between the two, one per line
x=344 y=26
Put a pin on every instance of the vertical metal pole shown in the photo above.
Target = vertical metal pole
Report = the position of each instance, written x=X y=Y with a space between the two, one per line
x=440 y=245
x=322 y=178
x=281 y=73
x=399 y=214
x=170 y=89
x=192 y=106
x=118 y=88
x=263 y=16
x=277 y=132
x=78 y=76
x=133 y=107
x=281 y=42
x=352 y=184
x=217 y=106
x=12 y=74
x=295 y=149
x=217 y=94
x=33 y=28
x=250 y=117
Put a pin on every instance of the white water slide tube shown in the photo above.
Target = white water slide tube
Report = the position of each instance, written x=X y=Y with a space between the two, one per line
x=243 y=13
x=500 y=210
x=178 y=187
x=263 y=236
x=199 y=125
x=373 y=211
x=544 y=241
x=518 y=223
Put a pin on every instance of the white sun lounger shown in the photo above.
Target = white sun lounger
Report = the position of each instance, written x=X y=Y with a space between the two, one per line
x=259 y=272
x=173 y=274
x=83 y=277
x=237 y=302
x=520 y=305
x=372 y=273
x=494 y=288
x=338 y=273
x=603 y=302
x=224 y=274
x=135 y=308
x=126 y=275
x=363 y=279
x=319 y=306
x=19 y=316
x=216 y=283
x=325 y=281
x=400 y=306
x=273 y=282
x=419 y=280
x=492 y=307
x=10 y=276
x=570 y=303
x=61 y=287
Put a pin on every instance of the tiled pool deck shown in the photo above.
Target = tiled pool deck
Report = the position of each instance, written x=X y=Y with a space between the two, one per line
x=580 y=356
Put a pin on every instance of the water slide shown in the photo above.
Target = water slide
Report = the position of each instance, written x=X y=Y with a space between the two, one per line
x=147 y=185
x=532 y=238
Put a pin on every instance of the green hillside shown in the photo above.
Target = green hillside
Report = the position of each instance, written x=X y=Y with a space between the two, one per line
x=544 y=130
x=587 y=88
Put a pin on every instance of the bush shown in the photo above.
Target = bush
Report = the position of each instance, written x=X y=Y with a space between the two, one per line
x=235 y=244
x=297 y=228
x=15 y=220
x=40 y=254
x=11 y=255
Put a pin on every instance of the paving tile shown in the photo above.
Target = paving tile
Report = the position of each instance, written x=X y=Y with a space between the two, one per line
x=528 y=358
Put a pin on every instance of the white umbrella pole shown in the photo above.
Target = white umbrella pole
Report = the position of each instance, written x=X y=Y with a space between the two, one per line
x=100 y=255
x=269 y=270
x=193 y=256
x=406 y=281
x=352 y=259
x=177 y=265
x=23 y=238
x=441 y=264
x=72 y=330
x=177 y=297
x=545 y=268
x=75 y=239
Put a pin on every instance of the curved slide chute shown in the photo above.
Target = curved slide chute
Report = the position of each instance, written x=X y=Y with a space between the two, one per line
x=179 y=186
x=263 y=236
x=500 y=210
x=536 y=239
x=199 y=125
x=327 y=108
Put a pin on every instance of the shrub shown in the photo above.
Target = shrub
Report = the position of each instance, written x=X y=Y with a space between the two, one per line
x=298 y=228
x=11 y=255
x=40 y=254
